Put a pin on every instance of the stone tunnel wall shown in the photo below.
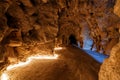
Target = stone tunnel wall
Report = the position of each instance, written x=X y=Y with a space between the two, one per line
x=33 y=26
x=110 y=69
x=27 y=27
x=93 y=22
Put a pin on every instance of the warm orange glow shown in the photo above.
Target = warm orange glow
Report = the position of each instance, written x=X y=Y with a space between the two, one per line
x=29 y=59
x=4 y=75
x=59 y=48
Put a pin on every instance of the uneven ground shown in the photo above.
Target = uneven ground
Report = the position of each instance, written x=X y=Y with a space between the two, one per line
x=72 y=64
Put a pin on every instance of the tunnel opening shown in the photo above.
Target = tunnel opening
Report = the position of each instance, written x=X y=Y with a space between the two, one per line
x=72 y=40
x=99 y=57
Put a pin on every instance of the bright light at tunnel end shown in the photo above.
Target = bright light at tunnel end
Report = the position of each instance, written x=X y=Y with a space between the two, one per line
x=4 y=75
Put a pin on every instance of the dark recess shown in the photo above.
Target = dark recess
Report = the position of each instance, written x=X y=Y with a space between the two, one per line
x=72 y=40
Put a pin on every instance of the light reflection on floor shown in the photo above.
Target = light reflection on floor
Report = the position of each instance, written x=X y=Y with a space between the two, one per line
x=4 y=75
x=99 y=57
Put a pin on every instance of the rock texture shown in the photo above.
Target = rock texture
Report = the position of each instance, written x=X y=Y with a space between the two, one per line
x=27 y=27
x=110 y=69
x=33 y=26
x=117 y=12
x=92 y=22
x=117 y=8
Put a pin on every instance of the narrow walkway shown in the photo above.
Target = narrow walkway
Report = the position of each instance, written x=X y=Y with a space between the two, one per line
x=72 y=64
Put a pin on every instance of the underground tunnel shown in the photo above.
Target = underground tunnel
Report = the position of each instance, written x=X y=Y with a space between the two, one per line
x=32 y=45
x=72 y=40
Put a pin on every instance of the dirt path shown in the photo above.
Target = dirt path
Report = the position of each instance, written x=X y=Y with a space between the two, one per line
x=72 y=64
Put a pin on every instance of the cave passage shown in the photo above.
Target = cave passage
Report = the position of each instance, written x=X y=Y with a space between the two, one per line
x=73 y=40
x=99 y=57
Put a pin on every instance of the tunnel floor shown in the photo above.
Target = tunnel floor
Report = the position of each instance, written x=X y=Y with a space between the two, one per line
x=72 y=64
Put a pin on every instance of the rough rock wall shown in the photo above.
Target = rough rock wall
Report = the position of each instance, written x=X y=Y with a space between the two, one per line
x=117 y=12
x=27 y=27
x=110 y=69
x=92 y=22
x=117 y=8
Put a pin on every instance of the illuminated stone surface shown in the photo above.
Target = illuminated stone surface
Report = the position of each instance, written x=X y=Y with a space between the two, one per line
x=74 y=66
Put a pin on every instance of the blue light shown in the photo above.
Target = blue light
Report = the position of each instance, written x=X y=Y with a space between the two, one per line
x=87 y=43
x=97 y=56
